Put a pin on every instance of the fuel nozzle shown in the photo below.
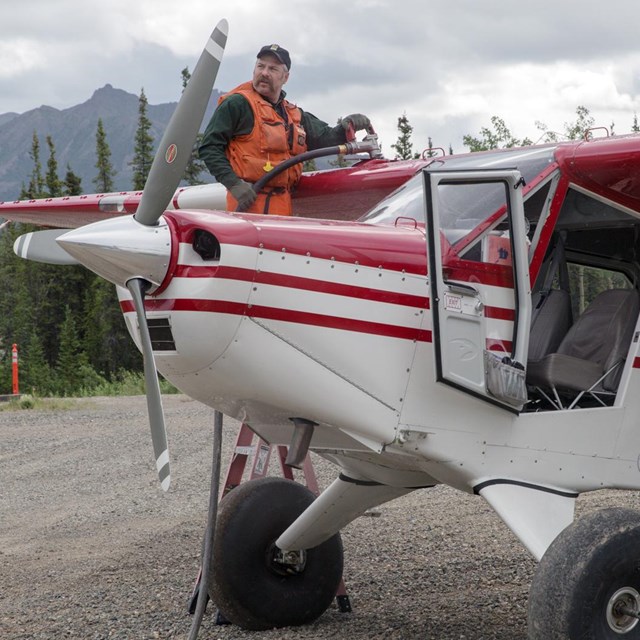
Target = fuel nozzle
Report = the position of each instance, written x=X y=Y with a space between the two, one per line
x=372 y=139
x=369 y=144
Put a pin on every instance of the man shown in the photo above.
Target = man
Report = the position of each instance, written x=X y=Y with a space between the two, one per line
x=254 y=128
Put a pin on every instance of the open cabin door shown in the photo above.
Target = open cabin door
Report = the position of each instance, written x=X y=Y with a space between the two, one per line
x=479 y=276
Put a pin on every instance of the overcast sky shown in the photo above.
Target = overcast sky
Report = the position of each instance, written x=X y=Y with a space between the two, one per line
x=449 y=65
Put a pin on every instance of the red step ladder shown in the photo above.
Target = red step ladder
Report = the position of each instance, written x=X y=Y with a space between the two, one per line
x=260 y=454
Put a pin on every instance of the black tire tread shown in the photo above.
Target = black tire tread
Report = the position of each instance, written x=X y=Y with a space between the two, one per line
x=247 y=593
x=574 y=573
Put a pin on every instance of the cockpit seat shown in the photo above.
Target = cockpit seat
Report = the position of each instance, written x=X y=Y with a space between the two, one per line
x=590 y=357
x=550 y=322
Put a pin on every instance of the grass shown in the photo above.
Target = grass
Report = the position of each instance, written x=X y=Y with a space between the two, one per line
x=129 y=384
x=28 y=401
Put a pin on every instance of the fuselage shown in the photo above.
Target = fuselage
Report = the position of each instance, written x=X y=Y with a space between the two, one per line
x=332 y=322
x=270 y=319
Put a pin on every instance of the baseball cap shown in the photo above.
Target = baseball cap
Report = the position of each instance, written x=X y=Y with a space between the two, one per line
x=278 y=52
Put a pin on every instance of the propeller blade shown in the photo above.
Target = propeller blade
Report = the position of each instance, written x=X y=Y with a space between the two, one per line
x=177 y=142
x=41 y=246
x=137 y=288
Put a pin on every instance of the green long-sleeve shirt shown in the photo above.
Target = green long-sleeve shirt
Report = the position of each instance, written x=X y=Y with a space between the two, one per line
x=234 y=117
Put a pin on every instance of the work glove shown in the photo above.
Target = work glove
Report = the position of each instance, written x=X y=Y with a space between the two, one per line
x=357 y=121
x=245 y=195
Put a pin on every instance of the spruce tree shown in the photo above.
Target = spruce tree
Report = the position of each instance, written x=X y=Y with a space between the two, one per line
x=72 y=183
x=35 y=372
x=104 y=180
x=430 y=153
x=26 y=316
x=403 y=146
x=72 y=369
x=54 y=186
x=106 y=340
x=15 y=307
x=36 y=181
x=143 y=151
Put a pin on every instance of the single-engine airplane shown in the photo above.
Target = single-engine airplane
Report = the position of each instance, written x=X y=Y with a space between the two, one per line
x=477 y=326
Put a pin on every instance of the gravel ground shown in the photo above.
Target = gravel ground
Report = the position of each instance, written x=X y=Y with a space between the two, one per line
x=91 y=548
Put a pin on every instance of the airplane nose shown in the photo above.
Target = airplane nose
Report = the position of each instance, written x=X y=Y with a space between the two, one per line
x=119 y=249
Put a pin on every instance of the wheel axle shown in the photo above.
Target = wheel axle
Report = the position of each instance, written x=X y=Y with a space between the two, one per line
x=623 y=610
x=288 y=562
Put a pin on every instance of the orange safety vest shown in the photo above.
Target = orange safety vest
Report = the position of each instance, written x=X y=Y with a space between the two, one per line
x=254 y=154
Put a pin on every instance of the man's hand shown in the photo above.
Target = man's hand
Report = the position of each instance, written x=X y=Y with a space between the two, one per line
x=356 y=120
x=245 y=195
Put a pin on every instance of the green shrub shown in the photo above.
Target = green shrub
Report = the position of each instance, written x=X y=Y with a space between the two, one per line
x=26 y=402
x=126 y=383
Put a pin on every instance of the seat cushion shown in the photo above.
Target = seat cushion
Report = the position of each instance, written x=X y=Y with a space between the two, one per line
x=563 y=372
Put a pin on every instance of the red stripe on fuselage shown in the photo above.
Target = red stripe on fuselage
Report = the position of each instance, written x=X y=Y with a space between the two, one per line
x=499 y=313
x=305 y=284
x=284 y=315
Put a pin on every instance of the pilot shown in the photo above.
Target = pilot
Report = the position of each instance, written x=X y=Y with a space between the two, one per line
x=254 y=128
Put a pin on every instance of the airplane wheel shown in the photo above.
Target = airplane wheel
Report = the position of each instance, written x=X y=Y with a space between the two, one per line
x=252 y=585
x=587 y=584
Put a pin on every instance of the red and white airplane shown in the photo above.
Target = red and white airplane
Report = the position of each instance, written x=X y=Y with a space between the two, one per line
x=477 y=326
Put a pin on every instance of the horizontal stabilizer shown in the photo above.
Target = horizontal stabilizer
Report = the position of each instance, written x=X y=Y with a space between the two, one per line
x=41 y=246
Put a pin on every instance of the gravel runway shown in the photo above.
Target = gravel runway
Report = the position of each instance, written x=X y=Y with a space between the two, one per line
x=91 y=548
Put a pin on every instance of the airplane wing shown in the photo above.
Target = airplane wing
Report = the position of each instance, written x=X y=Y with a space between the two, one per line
x=342 y=194
x=70 y=212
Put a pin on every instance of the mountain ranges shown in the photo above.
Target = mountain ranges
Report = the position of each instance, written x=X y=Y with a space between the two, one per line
x=73 y=131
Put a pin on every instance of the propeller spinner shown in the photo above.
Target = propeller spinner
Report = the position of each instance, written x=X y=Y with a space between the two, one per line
x=101 y=246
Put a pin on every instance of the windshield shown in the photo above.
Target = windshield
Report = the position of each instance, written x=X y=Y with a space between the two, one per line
x=406 y=201
x=479 y=202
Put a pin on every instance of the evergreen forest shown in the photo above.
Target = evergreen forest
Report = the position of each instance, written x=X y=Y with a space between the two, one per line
x=65 y=320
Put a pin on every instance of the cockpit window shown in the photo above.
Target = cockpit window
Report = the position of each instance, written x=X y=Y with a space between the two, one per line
x=408 y=200
x=461 y=209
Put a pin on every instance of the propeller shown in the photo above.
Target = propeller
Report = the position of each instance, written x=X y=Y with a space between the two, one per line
x=133 y=251
x=179 y=137
x=41 y=246
x=164 y=177
x=138 y=287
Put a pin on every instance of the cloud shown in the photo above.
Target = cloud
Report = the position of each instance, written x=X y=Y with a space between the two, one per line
x=448 y=66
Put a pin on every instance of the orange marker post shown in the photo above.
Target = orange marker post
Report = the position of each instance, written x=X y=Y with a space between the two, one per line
x=14 y=368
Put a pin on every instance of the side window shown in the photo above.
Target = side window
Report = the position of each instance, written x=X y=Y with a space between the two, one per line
x=587 y=282
x=489 y=242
